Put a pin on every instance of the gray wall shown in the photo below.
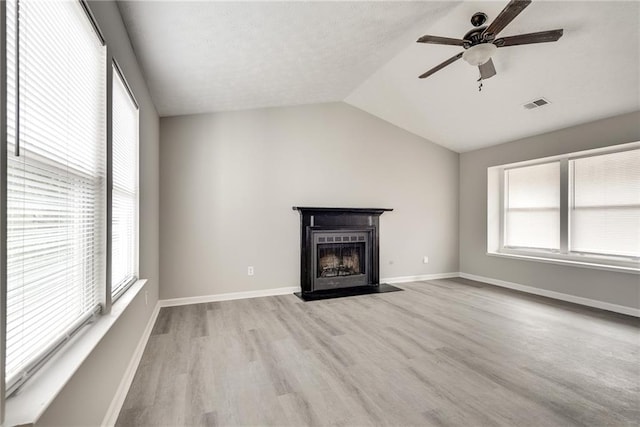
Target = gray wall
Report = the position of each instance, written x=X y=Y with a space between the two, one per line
x=612 y=287
x=229 y=181
x=86 y=398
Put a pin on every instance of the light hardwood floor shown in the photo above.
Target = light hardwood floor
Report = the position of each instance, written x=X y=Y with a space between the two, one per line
x=443 y=352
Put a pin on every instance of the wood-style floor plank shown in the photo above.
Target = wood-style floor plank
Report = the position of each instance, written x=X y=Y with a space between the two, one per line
x=448 y=352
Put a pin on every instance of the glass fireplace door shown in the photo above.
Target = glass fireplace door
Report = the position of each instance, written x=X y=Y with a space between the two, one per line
x=340 y=259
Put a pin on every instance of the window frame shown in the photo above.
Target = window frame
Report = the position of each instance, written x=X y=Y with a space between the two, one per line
x=111 y=297
x=503 y=221
x=497 y=206
x=74 y=353
x=10 y=385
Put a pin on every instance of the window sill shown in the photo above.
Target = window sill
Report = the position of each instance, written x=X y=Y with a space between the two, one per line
x=28 y=404
x=566 y=262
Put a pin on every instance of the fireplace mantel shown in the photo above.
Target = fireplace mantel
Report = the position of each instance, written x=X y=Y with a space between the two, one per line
x=320 y=224
x=371 y=211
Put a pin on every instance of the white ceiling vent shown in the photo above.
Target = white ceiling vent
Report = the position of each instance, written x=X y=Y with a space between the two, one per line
x=536 y=103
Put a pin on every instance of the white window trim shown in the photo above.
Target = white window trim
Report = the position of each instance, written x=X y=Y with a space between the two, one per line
x=496 y=223
x=117 y=69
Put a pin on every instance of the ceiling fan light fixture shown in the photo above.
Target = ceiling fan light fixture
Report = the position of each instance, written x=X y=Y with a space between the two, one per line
x=479 y=54
x=481 y=43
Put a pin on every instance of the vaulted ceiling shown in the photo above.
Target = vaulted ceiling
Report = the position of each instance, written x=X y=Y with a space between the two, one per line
x=219 y=56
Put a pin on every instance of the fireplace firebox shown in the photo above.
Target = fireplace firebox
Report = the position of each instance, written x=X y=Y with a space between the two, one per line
x=339 y=259
x=339 y=252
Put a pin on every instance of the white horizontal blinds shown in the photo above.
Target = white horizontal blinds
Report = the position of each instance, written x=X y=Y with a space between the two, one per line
x=532 y=206
x=56 y=186
x=11 y=71
x=605 y=205
x=125 y=187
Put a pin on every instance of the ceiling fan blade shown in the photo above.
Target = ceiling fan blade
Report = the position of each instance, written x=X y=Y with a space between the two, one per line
x=487 y=70
x=441 y=66
x=507 y=15
x=530 y=38
x=440 y=40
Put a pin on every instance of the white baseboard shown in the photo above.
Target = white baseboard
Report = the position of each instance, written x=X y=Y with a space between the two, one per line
x=228 y=296
x=556 y=295
x=172 y=302
x=407 y=279
x=118 y=400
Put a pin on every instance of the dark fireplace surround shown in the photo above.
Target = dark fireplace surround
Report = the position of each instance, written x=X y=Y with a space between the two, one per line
x=339 y=252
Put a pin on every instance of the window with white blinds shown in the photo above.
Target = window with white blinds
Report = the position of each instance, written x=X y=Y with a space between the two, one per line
x=56 y=179
x=532 y=206
x=605 y=204
x=581 y=208
x=124 y=223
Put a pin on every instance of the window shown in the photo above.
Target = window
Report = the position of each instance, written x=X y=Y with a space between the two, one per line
x=56 y=180
x=124 y=223
x=605 y=204
x=532 y=208
x=582 y=208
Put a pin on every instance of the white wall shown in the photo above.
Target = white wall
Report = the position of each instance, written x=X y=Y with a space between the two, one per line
x=229 y=180
x=85 y=399
x=616 y=288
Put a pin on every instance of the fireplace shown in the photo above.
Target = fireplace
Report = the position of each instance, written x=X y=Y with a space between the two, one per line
x=339 y=252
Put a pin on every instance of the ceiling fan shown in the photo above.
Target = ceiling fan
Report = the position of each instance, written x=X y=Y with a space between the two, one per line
x=481 y=43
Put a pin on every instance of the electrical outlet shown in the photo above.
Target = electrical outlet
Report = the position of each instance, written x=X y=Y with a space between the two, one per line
x=425 y=259
x=250 y=271
x=146 y=297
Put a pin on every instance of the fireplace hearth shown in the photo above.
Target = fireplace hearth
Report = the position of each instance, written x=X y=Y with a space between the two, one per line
x=339 y=252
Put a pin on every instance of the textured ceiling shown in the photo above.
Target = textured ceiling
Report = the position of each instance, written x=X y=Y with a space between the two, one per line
x=218 y=56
